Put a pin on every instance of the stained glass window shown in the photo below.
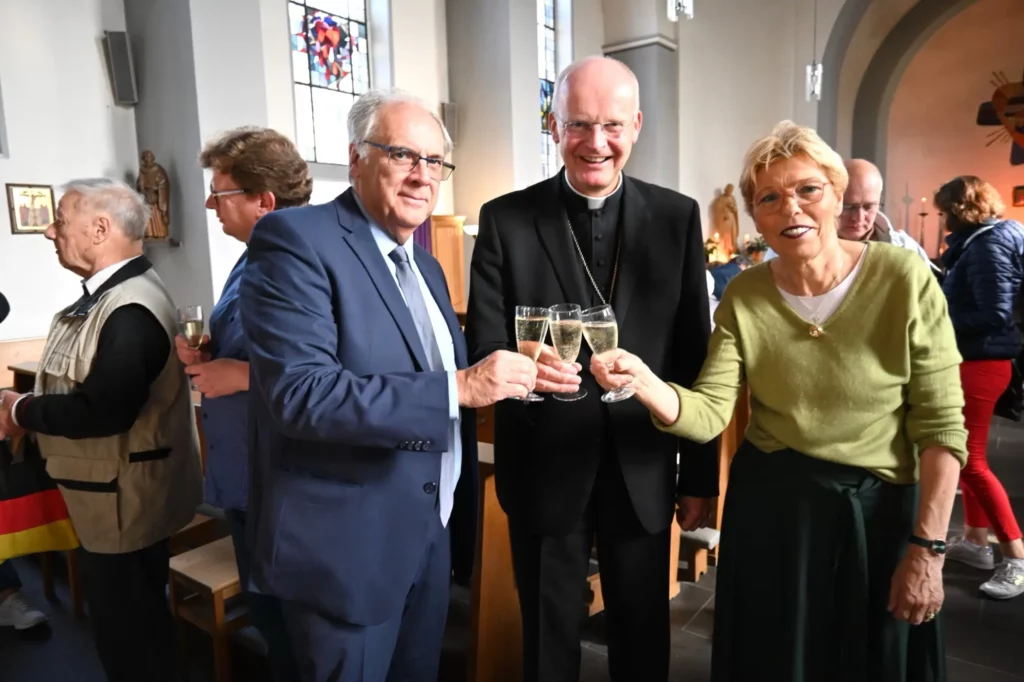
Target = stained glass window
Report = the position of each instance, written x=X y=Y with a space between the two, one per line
x=549 y=161
x=330 y=68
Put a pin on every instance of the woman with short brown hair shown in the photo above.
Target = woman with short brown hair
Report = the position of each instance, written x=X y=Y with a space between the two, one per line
x=984 y=272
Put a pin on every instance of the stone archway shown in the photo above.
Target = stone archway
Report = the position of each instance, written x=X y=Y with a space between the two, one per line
x=878 y=83
x=874 y=96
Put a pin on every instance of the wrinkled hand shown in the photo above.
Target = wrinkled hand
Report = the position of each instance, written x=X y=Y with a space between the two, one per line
x=916 y=590
x=617 y=368
x=500 y=375
x=191 y=356
x=693 y=512
x=218 y=378
x=7 y=426
x=554 y=375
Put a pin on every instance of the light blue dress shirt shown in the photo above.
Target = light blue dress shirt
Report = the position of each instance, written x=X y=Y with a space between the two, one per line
x=451 y=460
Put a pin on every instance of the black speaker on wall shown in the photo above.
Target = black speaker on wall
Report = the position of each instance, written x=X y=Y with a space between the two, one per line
x=118 y=48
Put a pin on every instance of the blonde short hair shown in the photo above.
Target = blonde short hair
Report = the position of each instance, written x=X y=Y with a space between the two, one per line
x=786 y=141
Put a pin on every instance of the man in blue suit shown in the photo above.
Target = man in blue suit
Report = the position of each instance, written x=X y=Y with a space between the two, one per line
x=364 y=467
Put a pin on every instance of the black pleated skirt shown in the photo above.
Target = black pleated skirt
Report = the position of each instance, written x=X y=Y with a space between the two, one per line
x=808 y=551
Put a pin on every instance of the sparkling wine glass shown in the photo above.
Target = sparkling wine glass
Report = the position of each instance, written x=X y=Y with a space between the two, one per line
x=190 y=324
x=602 y=334
x=566 y=335
x=531 y=329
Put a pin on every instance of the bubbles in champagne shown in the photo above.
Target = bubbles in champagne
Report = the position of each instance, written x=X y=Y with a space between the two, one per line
x=567 y=335
x=530 y=333
x=192 y=330
x=601 y=336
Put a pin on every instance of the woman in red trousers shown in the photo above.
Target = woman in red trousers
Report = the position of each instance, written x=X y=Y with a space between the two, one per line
x=985 y=263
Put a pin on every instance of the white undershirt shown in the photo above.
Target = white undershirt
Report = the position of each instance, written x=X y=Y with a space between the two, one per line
x=818 y=309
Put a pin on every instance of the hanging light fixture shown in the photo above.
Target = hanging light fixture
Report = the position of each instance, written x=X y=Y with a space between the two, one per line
x=813 y=77
x=677 y=7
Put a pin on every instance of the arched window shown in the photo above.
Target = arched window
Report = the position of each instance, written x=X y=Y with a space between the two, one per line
x=330 y=68
x=548 y=71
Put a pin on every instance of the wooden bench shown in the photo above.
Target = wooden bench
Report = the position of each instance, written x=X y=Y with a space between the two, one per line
x=202 y=580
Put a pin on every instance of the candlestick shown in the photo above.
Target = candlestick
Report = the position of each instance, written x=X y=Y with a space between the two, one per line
x=907 y=201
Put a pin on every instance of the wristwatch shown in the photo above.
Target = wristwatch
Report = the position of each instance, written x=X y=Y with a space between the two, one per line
x=937 y=547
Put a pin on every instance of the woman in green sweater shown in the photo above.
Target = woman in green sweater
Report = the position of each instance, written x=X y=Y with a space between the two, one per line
x=839 y=499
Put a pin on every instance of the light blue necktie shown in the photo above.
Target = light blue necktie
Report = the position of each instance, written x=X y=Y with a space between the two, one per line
x=414 y=299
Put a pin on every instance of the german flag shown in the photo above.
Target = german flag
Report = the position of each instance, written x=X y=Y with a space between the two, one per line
x=33 y=516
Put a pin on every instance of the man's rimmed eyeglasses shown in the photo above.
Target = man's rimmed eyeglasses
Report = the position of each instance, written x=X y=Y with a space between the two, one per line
x=867 y=207
x=406 y=159
x=224 y=193
x=611 y=129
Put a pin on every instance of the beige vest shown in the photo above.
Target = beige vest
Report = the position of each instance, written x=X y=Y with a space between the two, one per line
x=128 y=491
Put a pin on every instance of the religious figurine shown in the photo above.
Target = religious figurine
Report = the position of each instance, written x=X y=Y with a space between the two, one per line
x=725 y=221
x=155 y=187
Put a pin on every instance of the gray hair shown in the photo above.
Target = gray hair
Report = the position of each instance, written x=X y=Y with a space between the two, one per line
x=126 y=207
x=558 y=97
x=364 y=117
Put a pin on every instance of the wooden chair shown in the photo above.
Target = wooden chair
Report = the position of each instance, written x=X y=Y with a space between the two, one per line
x=202 y=580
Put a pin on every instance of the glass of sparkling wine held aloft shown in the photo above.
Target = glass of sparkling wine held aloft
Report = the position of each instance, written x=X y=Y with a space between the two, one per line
x=190 y=324
x=566 y=336
x=531 y=330
x=602 y=334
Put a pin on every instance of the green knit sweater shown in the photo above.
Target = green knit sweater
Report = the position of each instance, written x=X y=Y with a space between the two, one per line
x=879 y=385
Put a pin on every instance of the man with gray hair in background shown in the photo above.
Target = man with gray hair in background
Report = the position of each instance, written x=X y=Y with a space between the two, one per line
x=362 y=436
x=862 y=218
x=112 y=414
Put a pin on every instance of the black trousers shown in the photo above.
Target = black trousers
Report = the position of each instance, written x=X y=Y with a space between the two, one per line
x=551 y=574
x=132 y=624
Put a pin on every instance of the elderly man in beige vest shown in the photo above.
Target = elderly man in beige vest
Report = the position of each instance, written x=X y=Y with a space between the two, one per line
x=112 y=415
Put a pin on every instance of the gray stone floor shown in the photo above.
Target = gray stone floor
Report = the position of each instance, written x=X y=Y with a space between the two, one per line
x=985 y=638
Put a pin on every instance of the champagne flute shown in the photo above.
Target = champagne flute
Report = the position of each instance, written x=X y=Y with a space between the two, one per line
x=531 y=330
x=566 y=336
x=602 y=334
x=190 y=324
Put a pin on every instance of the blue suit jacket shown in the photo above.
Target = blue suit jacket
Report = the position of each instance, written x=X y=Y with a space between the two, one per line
x=346 y=424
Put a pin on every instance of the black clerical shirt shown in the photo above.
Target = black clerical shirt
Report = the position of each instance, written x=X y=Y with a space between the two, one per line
x=131 y=352
x=597 y=232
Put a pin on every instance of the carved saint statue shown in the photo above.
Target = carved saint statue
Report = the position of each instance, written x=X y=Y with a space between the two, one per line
x=155 y=187
x=725 y=221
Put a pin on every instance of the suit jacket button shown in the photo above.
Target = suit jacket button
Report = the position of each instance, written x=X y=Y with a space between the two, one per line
x=430 y=488
x=427 y=443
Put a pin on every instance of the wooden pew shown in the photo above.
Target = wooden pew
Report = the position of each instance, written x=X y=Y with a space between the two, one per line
x=202 y=581
x=20 y=353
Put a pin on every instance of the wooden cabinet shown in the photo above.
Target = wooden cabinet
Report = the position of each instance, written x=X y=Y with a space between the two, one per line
x=446 y=245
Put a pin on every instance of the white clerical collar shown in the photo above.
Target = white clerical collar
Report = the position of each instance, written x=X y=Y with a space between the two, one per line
x=96 y=281
x=594 y=203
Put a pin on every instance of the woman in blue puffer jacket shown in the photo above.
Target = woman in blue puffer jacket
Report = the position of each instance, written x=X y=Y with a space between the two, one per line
x=985 y=267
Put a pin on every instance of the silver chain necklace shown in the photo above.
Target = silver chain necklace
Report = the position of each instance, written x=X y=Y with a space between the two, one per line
x=615 y=269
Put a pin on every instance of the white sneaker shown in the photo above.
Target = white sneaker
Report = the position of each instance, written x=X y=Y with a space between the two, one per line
x=1008 y=581
x=966 y=552
x=17 y=613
